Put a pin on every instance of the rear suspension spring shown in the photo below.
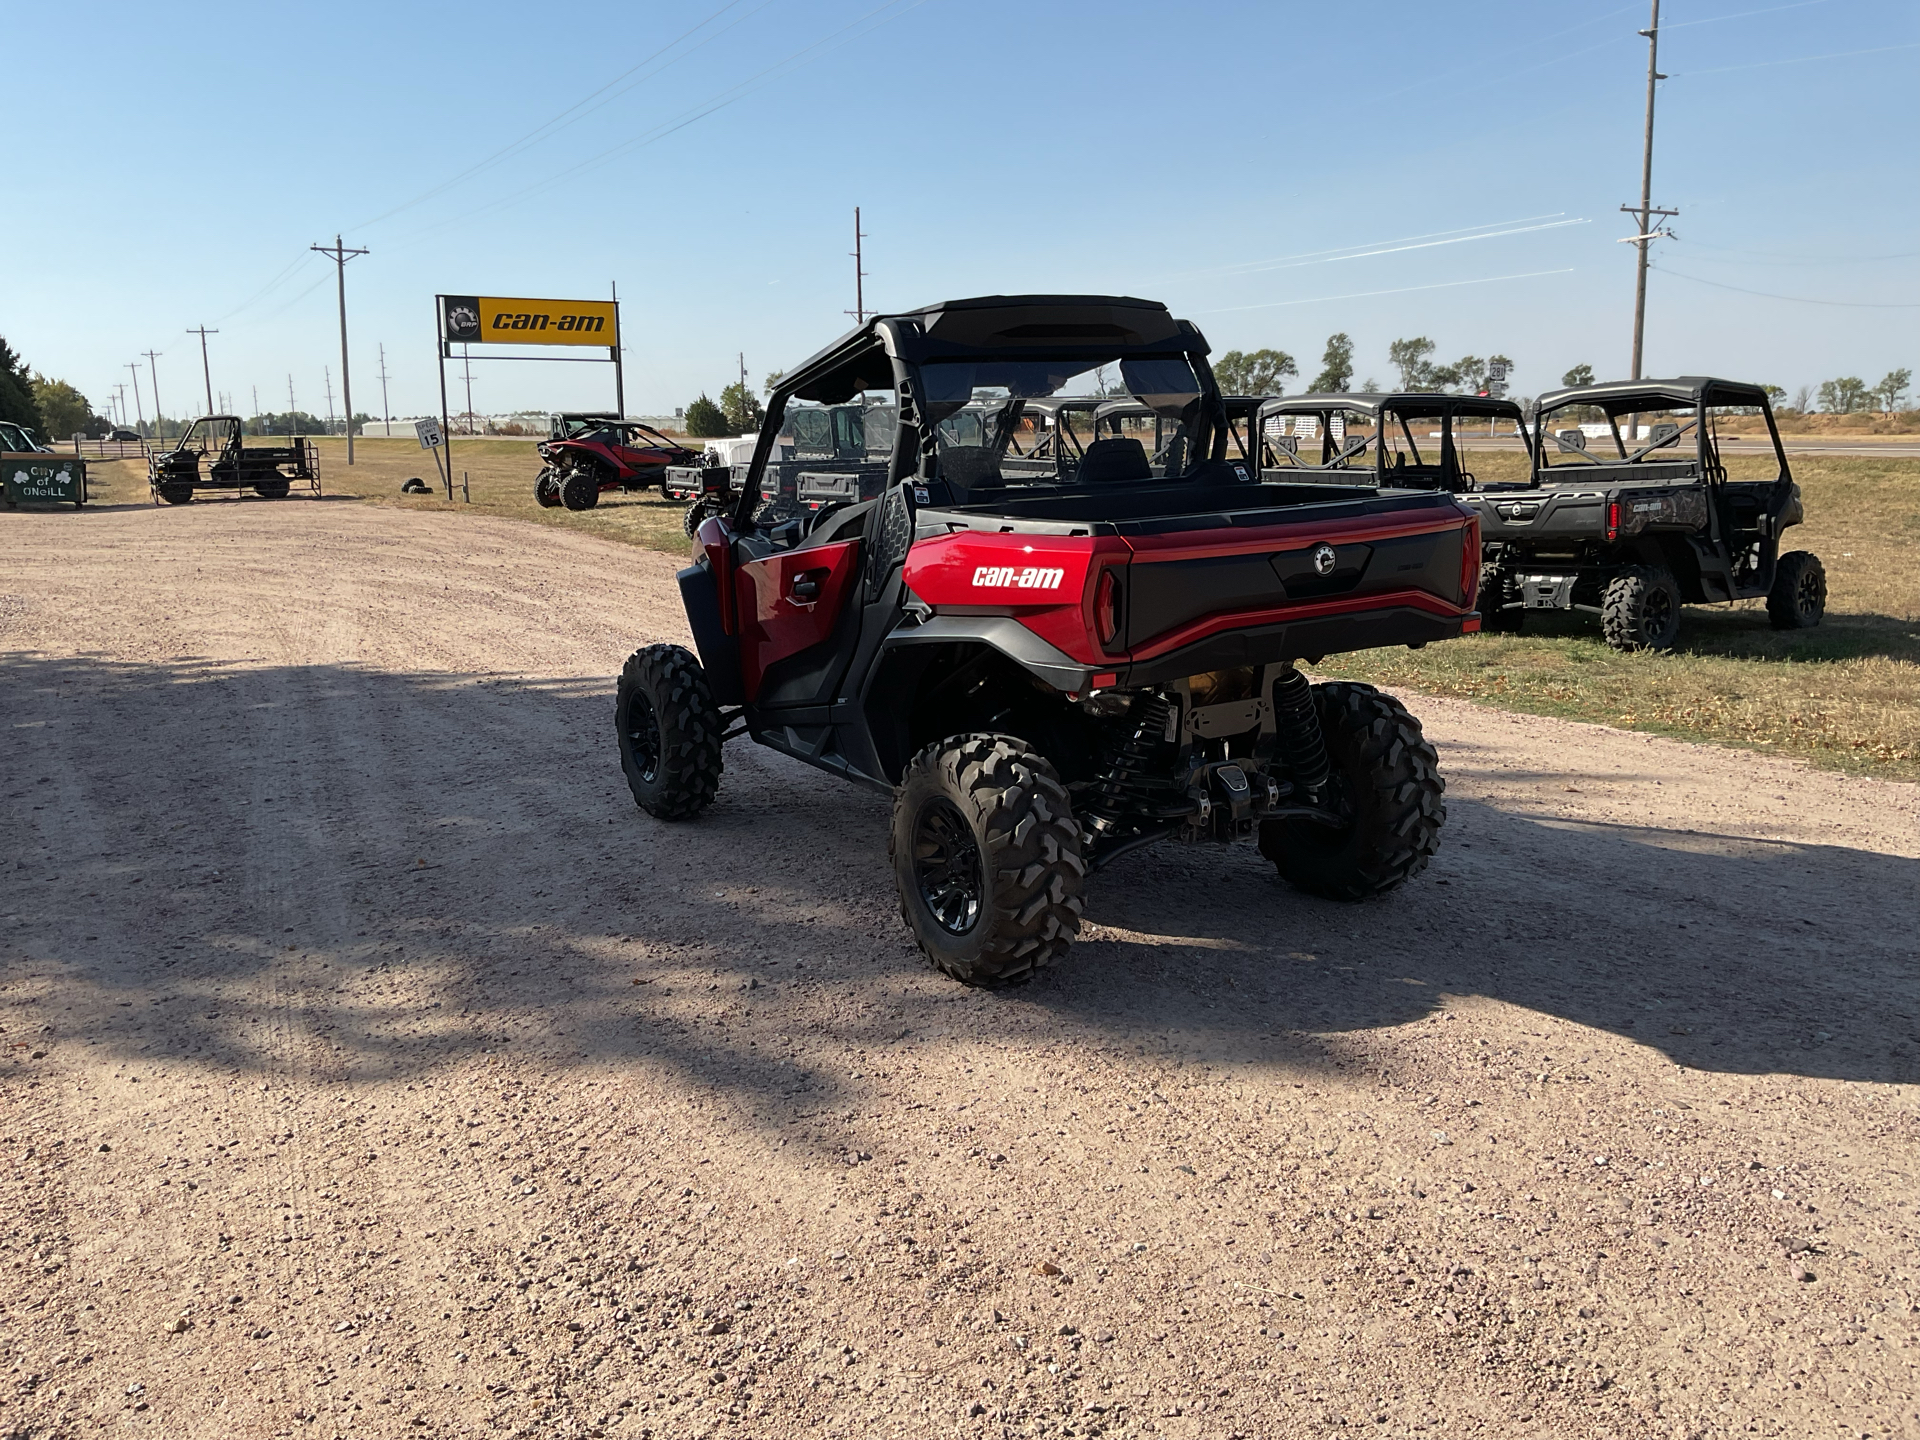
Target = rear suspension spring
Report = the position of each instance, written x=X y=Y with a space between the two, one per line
x=1296 y=724
x=1122 y=789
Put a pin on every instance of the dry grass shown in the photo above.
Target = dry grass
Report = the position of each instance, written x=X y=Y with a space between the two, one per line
x=1846 y=695
x=499 y=475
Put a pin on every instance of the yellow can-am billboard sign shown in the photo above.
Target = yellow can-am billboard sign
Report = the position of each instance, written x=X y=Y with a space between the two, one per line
x=494 y=319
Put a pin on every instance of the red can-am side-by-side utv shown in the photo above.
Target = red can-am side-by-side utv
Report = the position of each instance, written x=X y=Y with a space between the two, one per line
x=1047 y=672
x=588 y=454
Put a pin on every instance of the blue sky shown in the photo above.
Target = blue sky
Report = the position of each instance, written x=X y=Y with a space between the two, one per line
x=1274 y=172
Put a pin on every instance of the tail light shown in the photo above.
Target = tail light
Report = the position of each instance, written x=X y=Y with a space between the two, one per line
x=1613 y=521
x=1470 y=564
x=1106 y=607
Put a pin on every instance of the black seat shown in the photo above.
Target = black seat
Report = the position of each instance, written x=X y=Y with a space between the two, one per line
x=1114 y=461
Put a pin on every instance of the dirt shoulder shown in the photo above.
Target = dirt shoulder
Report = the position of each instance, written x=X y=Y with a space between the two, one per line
x=373 y=1067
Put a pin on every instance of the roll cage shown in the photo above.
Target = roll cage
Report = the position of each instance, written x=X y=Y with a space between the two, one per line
x=1284 y=426
x=891 y=352
x=1680 y=448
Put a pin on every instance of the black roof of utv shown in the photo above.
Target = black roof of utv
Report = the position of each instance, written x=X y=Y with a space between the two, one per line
x=1623 y=397
x=1421 y=402
x=1093 y=327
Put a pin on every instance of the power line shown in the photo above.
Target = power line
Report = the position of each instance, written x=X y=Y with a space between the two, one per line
x=712 y=105
x=1796 y=299
x=561 y=120
x=1798 y=60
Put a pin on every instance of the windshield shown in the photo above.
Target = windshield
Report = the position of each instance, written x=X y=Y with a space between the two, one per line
x=1586 y=435
x=1093 y=439
x=206 y=435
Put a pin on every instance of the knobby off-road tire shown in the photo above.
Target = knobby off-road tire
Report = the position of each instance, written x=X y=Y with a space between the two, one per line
x=177 y=494
x=546 y=489
x=273 y=489
x=1798 y=598
x=987 y=858
x=696 y=516
x=580 y=490
x=1386 y=777
x=669 y=731
x=1641 y=609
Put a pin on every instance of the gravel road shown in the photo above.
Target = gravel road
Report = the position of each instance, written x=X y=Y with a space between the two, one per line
x=373 y=1067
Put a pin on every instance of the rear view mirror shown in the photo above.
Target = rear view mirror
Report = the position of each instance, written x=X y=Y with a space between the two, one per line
x=1574 y=442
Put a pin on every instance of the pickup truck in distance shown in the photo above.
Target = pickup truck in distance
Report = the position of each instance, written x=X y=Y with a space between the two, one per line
x=1646 y=495
x=1047 y=671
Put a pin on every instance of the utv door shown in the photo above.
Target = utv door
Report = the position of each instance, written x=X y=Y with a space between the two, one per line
x=790 y=607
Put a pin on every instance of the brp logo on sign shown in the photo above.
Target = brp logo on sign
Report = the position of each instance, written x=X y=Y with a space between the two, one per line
x=1324 y=559
x=1018 y=577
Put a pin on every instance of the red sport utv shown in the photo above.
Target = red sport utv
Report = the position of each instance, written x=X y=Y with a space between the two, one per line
x=1047 y=672
x=587 y=454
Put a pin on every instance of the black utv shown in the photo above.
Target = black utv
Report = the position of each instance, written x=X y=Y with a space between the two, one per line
x=214 y=454
x=1648 y=495
x=1406 y=441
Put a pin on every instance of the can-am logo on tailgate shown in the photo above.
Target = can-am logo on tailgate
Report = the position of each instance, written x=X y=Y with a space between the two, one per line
x=1018 y=577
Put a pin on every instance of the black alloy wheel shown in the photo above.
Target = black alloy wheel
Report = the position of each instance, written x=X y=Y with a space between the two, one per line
x=946 y=866
x=1798 y=599
x=986 y=858
x=642 y=735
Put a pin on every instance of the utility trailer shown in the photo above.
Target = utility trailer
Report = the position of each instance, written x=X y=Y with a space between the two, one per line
x=1655 y=515
x=214 y=454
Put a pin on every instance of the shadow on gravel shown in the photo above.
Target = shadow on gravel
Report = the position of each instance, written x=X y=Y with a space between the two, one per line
x=271 y=868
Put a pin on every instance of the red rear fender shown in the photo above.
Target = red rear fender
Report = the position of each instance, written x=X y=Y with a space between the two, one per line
x=1046 y=582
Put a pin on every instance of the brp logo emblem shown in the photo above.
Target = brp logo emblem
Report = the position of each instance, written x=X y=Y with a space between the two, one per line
x=1323 y=559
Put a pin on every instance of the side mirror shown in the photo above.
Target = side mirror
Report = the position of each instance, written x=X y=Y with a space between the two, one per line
x=1572 y=442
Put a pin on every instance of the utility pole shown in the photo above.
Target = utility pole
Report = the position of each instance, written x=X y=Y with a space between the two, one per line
x=386 y=409
x=341 y=255
x=256 y=400
x=466 y=369
x=1645 y=210
x=206 y=371
x=120 y=401
x=139 y=412
x=153 y=374
x=292 y=409
x=859 y=311
x=326 y=376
